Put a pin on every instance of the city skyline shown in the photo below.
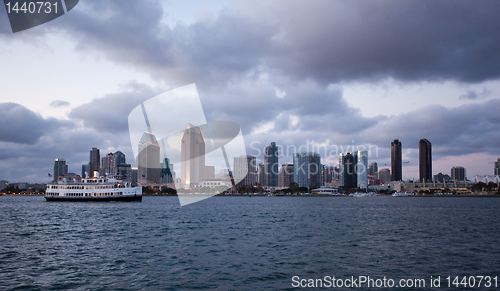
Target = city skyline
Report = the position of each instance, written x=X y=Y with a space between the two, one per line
x=265 y=66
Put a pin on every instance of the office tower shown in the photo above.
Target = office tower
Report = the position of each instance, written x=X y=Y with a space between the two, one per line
x=124 y=172
x=329 y=173
x=396 y=161
x=85 y=169
x=244 y=170
x=271 y=165
x=362 y=169
x=95 y=161
x=307 y=171
x=118 y=159
x=209 y=173
x=384 y=175
x=60 y=168
x=497 y=168
x=107 y=164
x=148 y=159
x=458 y=173
x=373 y=170
x=193 y=156
x=425 y=160
x=166 y=172
x=347 y=164
x=285 y=177
x=261 y=174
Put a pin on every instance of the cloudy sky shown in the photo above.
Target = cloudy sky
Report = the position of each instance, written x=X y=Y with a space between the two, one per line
x=327 y=73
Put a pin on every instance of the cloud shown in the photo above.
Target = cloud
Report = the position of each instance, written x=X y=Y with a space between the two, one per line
x=23 y=125
x=473 y=94
x=109 y=113
x=328 y=41
x=59 y=103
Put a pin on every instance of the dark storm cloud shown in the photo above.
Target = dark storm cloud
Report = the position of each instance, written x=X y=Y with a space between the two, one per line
x=109 y=113
x=23 y=125
x=473 y=94
x=471 y=128
x=329 y=41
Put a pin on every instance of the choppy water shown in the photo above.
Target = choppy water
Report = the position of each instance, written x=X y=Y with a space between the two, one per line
x=242 y=243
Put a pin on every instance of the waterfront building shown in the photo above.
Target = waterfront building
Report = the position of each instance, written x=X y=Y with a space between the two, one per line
x=396 y=161
x=167 y=173
x=209 y=172
x=3 y=184
x=373 y=170
x=347 y=164
x=425 y=160
x=362 y=169
x=441 y=177
x=261 y=174
x=107 y=165
x=271 y=165
x=118 y=159
x=497 y=168
x=285 y=177
x=148 y=159
x=307 y=171
x=60 y=168
x=329 y=173
x=85 y=169
x=384 y=175
x=193 y=156
x=95 y=161
x=244 y=170
x=458 y=173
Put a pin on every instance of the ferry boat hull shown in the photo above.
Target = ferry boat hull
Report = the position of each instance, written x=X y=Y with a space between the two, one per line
x=94 y=199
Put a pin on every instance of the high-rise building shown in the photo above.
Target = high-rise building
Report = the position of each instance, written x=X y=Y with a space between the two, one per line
x=193 y=156
x=85 y=169
x=60 y=168
x=261 y=174
x=347 y=172
x=95 y=161
x=107 y=165
x=148 y=159
x=209 y=172
x=285 y=177
x=271 y=165
x=497 y=168
x=118 y=159
x=396 y=161
x=373 y=170
x=307 y=170
x=384 y=175
x=458 y=173
x=425 y=160
x=244 y=170
x=167 y=173
x=329 y=173
x=362 y=169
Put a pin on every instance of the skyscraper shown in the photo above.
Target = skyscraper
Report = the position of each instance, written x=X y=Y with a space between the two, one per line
x=244 y=169
x=307 y=171
x=192 y=156
x=60 y=168
x=107 y=164
x=458 y=173
x=95 y=161
x=384 y=175
x=261 y=174
x=497 y=168
x=271 y=165
x=285 y=177
x=425 y=160
x=347 y=164
x=148 y=159
x=396 y=161
x=362 y=169
x=329 y=173
x=373 y=170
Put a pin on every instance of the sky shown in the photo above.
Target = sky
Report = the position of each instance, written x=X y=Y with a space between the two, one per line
x=325 y=76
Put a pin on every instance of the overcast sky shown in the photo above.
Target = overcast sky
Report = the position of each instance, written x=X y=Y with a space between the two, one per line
x=327 y=73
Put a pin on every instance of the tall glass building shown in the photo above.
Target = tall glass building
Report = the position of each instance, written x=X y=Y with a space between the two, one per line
x=362 y=169
x=271 y=165
x=307 y=170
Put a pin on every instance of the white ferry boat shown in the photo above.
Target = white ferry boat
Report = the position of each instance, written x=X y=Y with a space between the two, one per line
x=93 y=189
